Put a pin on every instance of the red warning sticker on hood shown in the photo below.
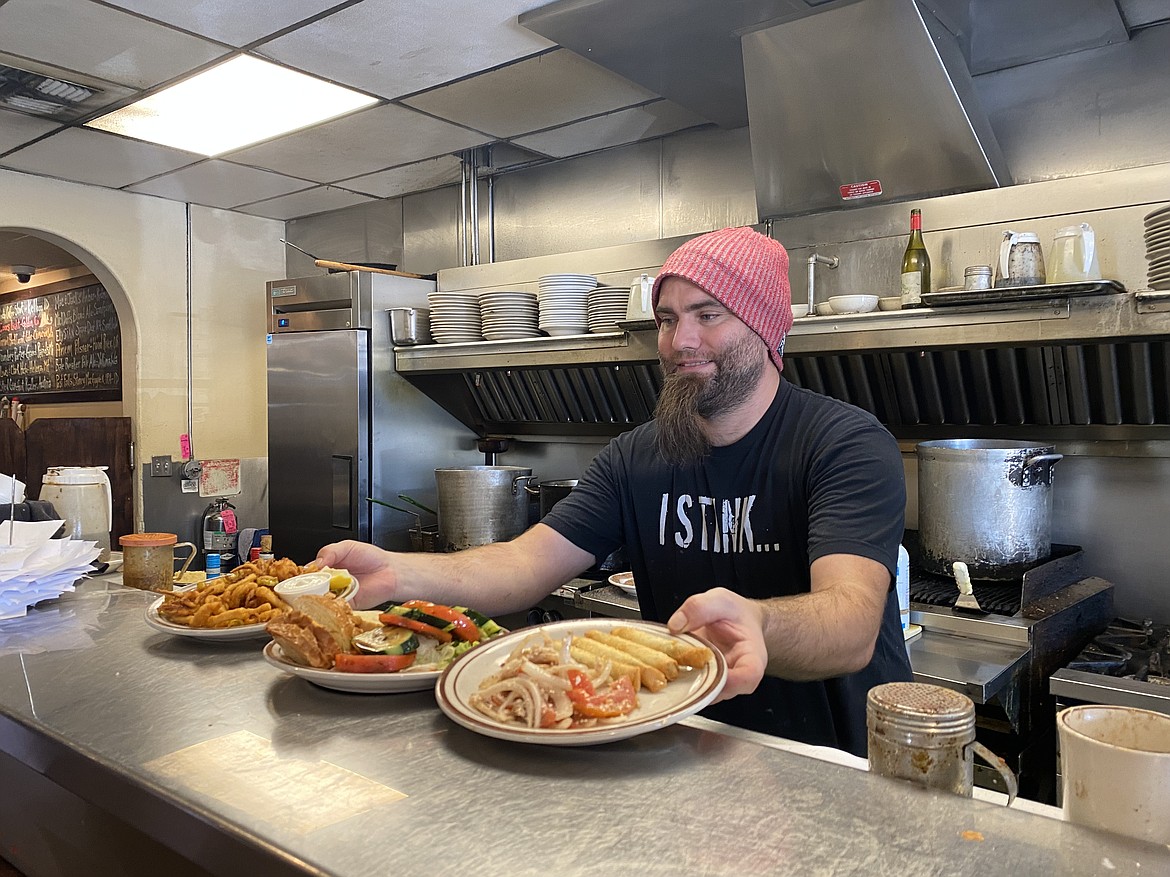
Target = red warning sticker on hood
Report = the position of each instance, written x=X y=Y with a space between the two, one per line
x=852 y=191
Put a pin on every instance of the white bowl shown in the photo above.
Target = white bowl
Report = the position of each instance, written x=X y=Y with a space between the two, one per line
x=890 y=303
x=853 y=304
x=306 y=583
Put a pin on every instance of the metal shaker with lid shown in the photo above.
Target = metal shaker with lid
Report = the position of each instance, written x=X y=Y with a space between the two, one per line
x=926 y=734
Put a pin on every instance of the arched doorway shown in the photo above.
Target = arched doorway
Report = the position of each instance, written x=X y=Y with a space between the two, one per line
x=70 y=335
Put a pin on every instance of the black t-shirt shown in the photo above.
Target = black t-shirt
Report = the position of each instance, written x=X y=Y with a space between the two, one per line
x=814 y=477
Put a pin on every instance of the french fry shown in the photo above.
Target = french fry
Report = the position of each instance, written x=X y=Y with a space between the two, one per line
x=202 y=616
x=270 y=597
x=683 y=652
x=663 y=663
x=616 y=668
x=232 y=618
x=652 y=678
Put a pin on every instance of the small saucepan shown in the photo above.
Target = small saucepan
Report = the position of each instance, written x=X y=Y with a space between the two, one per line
x=552 y=492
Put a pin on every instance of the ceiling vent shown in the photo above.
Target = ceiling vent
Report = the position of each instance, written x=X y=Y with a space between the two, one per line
x=42 y=91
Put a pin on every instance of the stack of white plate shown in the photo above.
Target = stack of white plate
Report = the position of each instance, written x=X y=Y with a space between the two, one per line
x=508 y=315
x=455 y=317
x=1158 y=247
x=563 y=302
x=607 y=305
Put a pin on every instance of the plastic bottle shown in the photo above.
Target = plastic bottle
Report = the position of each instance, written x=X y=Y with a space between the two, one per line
x=902 y=585
x=212 y=566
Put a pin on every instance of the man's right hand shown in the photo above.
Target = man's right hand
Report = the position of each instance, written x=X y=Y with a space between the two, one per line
x=370 y=565
x=734 y=625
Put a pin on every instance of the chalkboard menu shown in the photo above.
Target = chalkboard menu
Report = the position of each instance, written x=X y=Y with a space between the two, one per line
x=61 y=344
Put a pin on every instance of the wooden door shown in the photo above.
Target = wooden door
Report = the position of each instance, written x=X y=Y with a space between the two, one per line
x=12 y=457
x=85 y=441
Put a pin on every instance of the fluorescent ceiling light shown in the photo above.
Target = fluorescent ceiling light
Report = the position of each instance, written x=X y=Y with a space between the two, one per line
x=237 y=103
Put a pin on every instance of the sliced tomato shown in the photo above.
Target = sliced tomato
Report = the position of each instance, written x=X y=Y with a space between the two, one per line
x=618 y=699
x=417 y=626
x=582 y=688
x=465 y=628
x=548 y=716
x=372 y=663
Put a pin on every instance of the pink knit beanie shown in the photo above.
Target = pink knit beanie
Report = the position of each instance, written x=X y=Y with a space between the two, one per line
x=747 y=272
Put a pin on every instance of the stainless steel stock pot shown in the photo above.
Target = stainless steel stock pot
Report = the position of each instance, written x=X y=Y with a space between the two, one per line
x=987 y=503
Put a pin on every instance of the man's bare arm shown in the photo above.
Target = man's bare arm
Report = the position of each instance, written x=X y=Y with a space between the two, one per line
x=498 y=578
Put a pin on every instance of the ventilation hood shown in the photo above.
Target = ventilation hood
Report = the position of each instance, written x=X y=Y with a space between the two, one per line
x=861 y=103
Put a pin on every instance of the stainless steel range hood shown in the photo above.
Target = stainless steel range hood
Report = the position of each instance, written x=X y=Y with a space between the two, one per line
x=859 y=103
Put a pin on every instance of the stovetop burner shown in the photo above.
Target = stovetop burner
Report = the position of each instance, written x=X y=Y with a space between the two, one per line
x=1128 y=649
x=1000 y=597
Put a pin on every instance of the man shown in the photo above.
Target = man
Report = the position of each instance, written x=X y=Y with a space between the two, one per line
x=762 y=517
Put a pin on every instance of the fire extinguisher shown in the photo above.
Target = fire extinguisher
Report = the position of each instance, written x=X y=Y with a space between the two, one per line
x=218 y=532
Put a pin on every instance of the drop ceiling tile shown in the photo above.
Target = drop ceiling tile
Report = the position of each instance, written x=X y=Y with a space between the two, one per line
x=86 y=156
x=361 y=143
x=551 y=89
x=613 y=129
x=391 y=48
x=417 y=177
x=17 y=128
x=100 y=41
x=228 y=21
x=218 y=183
x=306 y=203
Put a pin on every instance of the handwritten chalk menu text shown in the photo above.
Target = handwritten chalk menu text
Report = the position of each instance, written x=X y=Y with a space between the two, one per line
x=64 y=346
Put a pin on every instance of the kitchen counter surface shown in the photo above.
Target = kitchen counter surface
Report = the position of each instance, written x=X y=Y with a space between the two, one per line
x=116 y=737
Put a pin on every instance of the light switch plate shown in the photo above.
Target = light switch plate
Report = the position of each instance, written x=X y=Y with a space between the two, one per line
x=161 y=466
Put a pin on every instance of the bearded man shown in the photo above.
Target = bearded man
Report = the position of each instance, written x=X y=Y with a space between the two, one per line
x=758 y=515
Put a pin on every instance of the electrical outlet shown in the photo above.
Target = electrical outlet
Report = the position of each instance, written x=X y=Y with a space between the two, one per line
x=161 y=466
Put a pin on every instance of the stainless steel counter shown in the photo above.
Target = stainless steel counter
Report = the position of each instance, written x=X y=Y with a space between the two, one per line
x=206 y=751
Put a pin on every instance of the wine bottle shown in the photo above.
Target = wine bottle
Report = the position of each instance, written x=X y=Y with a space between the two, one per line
x=915 y=265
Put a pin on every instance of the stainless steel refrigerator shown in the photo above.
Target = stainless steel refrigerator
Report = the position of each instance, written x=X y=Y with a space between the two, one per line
x=343 y=426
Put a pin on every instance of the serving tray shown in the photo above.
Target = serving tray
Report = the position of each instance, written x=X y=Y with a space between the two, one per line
x=1022 y=293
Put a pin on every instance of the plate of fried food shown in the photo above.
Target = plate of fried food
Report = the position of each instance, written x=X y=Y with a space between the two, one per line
x=404 y=647
x=581 y=682
x=236 y=606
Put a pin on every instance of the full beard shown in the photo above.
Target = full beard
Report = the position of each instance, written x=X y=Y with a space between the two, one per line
x=687 y=402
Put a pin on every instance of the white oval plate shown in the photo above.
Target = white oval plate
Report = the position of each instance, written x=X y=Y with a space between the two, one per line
x=359 y=683
x=683 y=697
x=625 y=581
x=221 y=634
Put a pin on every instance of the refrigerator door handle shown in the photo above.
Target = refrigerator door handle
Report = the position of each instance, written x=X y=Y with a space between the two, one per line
x=343 y=510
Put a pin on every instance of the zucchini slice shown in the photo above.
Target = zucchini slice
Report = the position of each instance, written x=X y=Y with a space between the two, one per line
x=387 y=641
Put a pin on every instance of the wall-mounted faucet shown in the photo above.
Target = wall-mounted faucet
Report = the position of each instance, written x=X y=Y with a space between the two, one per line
x=832 y=262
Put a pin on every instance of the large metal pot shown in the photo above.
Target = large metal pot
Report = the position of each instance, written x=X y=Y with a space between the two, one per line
x=479 y=505
x=987 y=503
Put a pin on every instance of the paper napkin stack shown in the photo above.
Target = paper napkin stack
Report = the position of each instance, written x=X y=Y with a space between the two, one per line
x=34 y=566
